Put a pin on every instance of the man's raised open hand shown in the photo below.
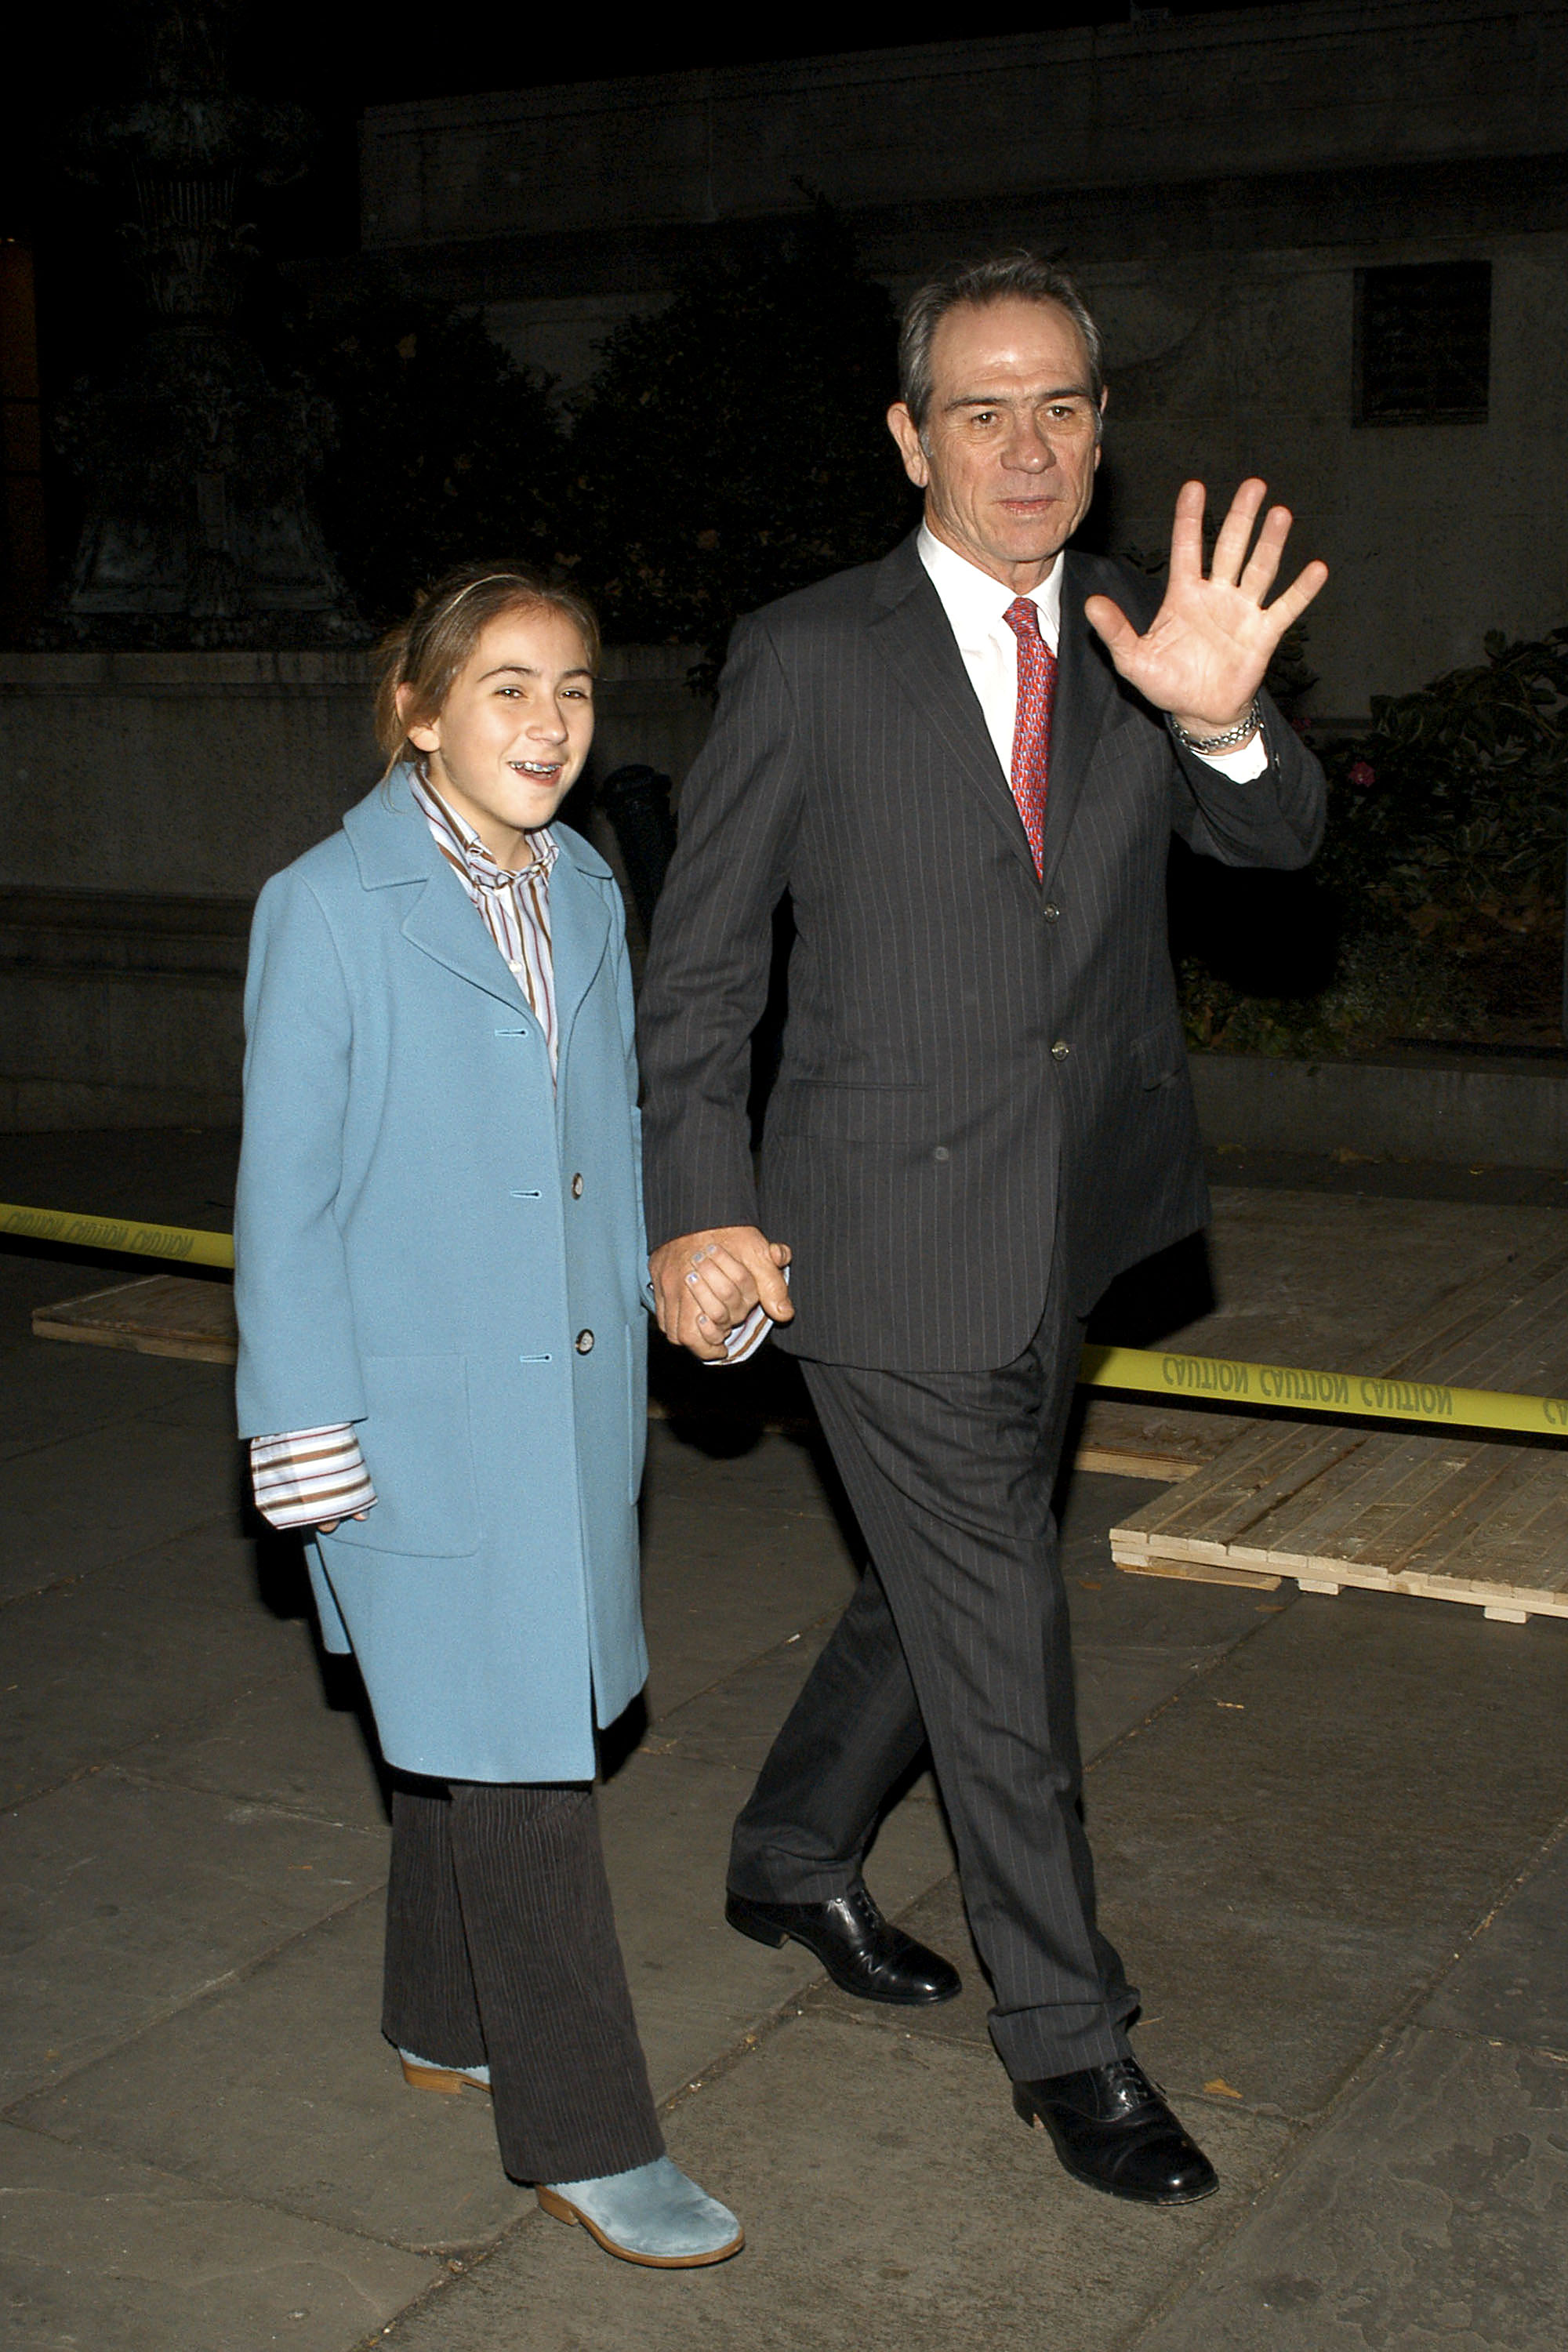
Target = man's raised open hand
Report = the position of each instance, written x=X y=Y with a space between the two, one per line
x=705 y=1284
x=1204 y=652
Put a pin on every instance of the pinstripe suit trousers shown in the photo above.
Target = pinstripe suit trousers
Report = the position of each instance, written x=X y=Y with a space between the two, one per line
x=502 y=1950
x=958 y=1634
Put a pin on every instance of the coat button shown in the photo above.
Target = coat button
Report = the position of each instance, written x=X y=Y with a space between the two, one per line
x=1051 y=913
x=1060 y=1050
x=576 y=1188
x=584 y=1343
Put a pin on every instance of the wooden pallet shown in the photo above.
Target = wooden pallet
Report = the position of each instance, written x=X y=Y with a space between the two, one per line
x=1445 y=1516
x=160 y=1314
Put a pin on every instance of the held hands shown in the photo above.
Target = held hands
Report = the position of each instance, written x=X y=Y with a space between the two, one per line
x=1205 y=650
x=705 y=1284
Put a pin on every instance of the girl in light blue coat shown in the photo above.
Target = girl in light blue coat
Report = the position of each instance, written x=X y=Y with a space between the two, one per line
x=441 y=1276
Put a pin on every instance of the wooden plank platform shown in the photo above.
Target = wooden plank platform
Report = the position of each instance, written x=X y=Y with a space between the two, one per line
x=160 y=1314
x=1444 y=1516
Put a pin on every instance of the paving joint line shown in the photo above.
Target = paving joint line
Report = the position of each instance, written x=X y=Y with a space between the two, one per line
x=202 y=1995
x=120 y=1560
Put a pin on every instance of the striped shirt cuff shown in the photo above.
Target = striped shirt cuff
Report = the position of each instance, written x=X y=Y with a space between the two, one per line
x=305 y=1475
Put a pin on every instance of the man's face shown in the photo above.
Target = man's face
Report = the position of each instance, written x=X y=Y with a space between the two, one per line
x=1008 y=455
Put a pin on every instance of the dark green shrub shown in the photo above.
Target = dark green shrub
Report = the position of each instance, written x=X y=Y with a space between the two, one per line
x=733 y=447
x=445 y=449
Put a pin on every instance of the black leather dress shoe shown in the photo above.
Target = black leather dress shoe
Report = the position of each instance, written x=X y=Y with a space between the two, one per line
x=1112 y=2130
x=860 y=1950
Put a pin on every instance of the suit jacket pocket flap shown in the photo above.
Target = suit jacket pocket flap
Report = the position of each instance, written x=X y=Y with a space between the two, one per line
x=1160 y=1054
x=419 y=1451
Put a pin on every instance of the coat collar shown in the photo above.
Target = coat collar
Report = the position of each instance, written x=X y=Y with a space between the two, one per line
x=393 y=845
x=910 y=630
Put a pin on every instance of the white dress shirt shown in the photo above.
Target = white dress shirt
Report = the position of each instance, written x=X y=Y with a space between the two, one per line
x=974 y=604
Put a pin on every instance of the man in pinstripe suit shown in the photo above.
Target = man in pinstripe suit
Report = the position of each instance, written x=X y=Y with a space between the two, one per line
x=963 y=764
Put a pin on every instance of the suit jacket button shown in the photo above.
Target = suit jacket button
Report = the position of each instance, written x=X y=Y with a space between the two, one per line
x=576 y=1188
x=1052 y=913
x=942 y=1152
x=584 y=1343
x=1060 y=1050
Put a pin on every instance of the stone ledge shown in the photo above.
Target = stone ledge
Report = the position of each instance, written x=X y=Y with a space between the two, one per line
x=1505 y=1112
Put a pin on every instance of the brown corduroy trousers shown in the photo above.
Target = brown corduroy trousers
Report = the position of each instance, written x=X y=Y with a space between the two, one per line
x=501 y=1950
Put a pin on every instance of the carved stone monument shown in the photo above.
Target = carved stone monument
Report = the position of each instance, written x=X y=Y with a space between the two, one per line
x=198 y=531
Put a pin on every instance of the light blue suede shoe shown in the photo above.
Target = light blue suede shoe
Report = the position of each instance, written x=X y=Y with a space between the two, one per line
x=652 y=2214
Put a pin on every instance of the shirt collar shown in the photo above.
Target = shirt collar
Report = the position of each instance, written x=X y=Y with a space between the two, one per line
x=463 y=844
x=975 y=602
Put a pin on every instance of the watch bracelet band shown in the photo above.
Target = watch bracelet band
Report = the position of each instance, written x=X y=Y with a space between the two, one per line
x=1233 y=736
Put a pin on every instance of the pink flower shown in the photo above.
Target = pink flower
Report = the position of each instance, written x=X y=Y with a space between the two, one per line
x=1361 y=775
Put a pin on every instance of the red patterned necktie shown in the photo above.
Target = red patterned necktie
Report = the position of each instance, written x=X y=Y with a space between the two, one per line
x=1032 y=725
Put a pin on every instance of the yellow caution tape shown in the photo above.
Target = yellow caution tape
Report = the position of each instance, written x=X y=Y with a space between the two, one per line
x=1202 y=1379
x=1196 y=1379
x=191 y=1248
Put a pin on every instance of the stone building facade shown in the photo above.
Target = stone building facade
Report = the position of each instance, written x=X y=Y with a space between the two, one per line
x=1328 y=243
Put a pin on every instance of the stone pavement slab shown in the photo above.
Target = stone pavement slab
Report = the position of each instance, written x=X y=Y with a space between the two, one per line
x=98 y=1663
x=1511 y=1981
x=289 y=1743
x=114 y=2257
x=49 y=1391
x=698 y=1986
x=1292 y=1850
x=1429 y=2213
x=740 y=1549
x=279 y=2088
x=123 y=1900
x=890 y=2199
x=97 y=1497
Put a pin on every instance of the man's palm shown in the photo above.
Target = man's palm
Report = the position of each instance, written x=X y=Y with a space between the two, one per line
x=1203 y=655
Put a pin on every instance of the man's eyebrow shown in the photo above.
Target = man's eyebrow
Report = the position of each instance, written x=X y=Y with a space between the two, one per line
x=1006 y=399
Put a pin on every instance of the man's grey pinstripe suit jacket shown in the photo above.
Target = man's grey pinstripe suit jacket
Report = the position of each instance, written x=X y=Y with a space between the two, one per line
x=927 y=1125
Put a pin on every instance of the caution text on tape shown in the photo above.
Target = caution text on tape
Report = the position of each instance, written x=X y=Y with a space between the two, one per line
x=181 y=1242
x=1200 y=1378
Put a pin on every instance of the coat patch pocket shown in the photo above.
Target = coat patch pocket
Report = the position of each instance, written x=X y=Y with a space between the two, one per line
x=1160 y=1054
x=419 y=1450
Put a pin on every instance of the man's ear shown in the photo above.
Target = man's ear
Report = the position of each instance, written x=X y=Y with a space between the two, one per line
x=907 y=433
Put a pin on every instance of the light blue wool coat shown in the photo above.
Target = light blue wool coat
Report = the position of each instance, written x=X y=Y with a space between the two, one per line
x=414 y=1254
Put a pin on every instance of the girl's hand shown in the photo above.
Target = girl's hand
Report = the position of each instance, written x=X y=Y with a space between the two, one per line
x=325 y=1526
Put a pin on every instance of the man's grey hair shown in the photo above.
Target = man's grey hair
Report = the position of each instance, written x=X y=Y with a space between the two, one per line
x=1006 y=277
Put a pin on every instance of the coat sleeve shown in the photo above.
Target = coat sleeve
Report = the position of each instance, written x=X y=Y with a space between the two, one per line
x=707 y=978
x=299 y=1365
x=1274 y=819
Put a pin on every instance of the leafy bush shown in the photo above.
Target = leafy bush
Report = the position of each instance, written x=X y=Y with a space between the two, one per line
x=1449 y=816
x=733 y=447
x=446 y=450
x=1442 y=868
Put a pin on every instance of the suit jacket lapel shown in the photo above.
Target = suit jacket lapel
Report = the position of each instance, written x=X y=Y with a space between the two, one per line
x=1088 y=706
x=912 y=635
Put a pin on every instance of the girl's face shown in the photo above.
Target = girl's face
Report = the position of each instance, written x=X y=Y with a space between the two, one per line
x=511 y=737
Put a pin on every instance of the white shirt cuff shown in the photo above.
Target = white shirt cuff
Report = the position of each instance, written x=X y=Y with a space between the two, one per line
x=1248 y=759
